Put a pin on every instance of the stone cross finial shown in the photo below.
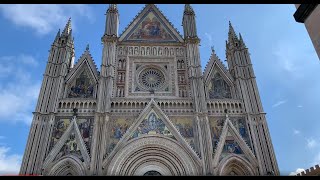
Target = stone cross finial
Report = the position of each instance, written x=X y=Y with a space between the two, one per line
x=212 y=49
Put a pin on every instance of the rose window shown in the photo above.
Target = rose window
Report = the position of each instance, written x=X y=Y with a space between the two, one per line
x=151 y=79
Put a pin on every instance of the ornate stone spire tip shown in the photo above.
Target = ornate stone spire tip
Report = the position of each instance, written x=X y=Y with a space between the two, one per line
x=67 y=29
x=87 y=47
x=113 y=6
x=188 y=9
x=231 y=32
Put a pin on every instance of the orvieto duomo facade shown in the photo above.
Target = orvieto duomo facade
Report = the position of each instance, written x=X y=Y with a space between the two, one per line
x=151 y=109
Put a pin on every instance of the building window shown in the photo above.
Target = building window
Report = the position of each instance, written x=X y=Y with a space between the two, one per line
x=151 y=79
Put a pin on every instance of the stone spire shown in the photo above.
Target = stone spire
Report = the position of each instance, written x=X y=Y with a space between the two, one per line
x=242 y=44
x=67 y=29
x=231 y=34
x=56 y=39
x=189 y=22
x=112 y=21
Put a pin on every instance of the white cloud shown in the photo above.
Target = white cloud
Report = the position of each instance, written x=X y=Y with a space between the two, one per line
x=286 y=56
x=299 y=106
x=279 y=103
x=17 y=90
x=296 y=172
x=296 y=132
x=44 y=18
x=9 y=163
x=311 y=143
x=288 y=60
x=26 y=59
x=209 y=38
x=20 y=100
x=9 y=64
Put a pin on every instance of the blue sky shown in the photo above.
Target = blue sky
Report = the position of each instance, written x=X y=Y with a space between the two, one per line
x=284 y=60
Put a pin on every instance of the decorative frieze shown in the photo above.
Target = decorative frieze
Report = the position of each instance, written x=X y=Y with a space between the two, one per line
x=157 y=51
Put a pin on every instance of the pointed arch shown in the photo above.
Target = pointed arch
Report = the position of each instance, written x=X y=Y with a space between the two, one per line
x=69 y=165
x=235 y=165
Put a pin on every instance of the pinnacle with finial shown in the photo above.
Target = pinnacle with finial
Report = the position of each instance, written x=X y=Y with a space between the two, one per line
x=112 y=8
x=188 y=9
x=241 y=40
x=57 y=36
x=231 y=33
x=87 y=48
x=212 y=50
x=67 y=30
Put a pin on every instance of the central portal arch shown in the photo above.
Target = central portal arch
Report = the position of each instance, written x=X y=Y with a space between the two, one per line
x=153 y=154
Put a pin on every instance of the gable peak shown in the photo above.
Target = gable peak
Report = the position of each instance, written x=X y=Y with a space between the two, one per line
x=213 y=59
x=151 y=24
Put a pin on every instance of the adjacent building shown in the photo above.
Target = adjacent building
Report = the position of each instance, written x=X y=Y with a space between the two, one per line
x=309 y=14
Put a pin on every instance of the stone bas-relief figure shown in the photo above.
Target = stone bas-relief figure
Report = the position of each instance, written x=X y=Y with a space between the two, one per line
x=150 y=109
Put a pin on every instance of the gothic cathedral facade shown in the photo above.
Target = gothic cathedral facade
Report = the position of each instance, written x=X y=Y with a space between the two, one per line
x=151 y=110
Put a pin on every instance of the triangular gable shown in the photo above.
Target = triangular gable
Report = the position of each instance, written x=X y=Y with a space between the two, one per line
x=85 y=61
x=231 y=143
x=216 y=64
x=242 y=128
x=151 y=25
x=72 y=138
x=145 y=124
x=152 y=124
